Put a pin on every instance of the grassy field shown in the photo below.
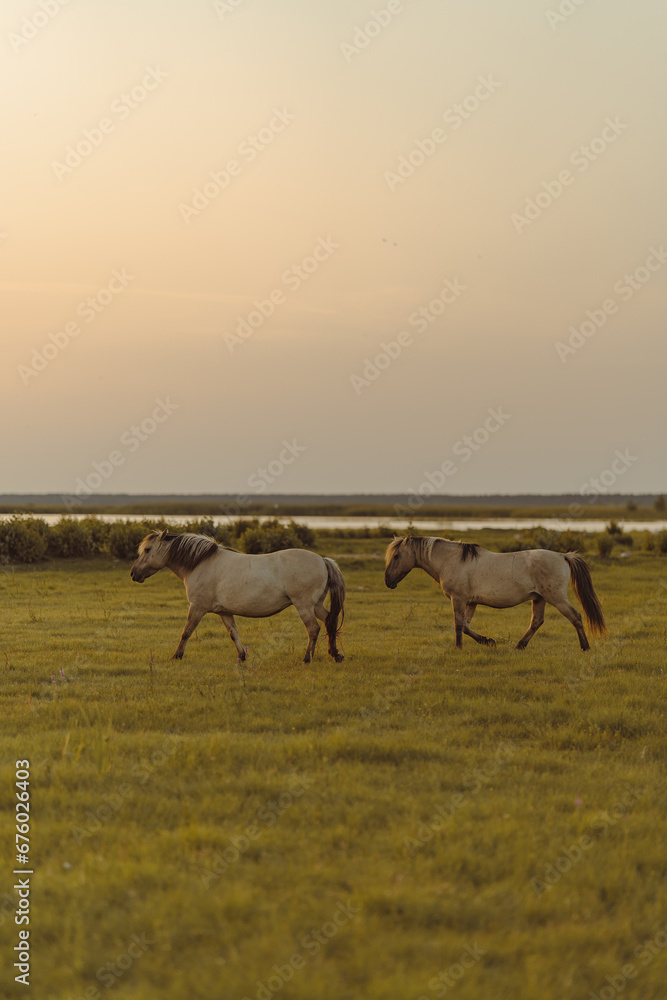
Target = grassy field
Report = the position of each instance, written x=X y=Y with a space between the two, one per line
x=416 y=822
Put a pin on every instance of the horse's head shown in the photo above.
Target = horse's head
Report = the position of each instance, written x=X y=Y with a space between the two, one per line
x=153 y=553
x=399 y=560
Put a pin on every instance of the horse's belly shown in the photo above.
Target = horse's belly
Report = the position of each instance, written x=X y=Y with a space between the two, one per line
x=508 y=597
x=257 y=605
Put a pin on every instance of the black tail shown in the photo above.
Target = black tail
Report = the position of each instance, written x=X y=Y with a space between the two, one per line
x=582 y=582
x=336 y=615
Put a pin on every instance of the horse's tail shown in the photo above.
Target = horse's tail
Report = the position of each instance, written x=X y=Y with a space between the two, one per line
x=336 y=615
x=582 y=582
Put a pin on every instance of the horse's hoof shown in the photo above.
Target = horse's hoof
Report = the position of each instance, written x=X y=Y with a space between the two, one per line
x=521 y=645
x=177 y=656
x=490 y=642
x=339 y=657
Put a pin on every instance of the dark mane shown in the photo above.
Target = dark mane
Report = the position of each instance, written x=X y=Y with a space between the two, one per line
x=468 y=551
x=186 y=552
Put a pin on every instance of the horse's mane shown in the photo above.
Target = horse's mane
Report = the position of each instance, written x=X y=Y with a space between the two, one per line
x=186 y=552
x=423 y=547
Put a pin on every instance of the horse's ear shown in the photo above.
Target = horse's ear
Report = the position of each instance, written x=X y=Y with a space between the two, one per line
x=162 y=535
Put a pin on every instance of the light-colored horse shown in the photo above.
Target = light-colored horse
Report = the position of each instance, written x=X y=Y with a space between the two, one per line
x=470 y=575
x=227 y=583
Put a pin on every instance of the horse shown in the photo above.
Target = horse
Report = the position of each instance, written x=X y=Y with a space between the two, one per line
x=470 y=575
x=225 y=582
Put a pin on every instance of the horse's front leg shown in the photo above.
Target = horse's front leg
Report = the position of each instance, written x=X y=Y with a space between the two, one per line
x=459 y=606
x=483 y=639
x=195 y=615
x=230 y=625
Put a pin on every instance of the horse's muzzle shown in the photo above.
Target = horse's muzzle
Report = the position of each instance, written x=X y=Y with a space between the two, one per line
x=137 y=579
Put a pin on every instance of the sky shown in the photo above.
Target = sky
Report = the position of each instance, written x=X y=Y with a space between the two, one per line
x=333 y=246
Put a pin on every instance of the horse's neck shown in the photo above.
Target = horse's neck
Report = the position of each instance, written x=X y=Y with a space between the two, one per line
x=432 y=563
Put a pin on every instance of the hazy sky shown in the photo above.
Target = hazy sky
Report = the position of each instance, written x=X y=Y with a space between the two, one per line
x=472 y=192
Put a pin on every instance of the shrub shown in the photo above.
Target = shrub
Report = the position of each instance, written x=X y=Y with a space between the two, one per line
x=99 y=532
x=659 y=504
x=626 y=540
x=124 y=538
x=605 y=543
x=656 y=542
x=272 y=536
x=69 y=539
x=613 y=528
x=305 y=534
x=23 y=539
x=556 y=541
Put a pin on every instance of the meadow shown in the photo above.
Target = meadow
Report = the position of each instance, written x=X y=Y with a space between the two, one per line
x=415 y=822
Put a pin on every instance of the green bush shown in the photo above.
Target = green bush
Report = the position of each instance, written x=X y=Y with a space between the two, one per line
x=23 y=539
x=605 y=543
x=99 y=532
x=556 y=541
x=272 y=536
x=69 y=539
x=305 y=534
x=656 y=542
x=124 y=538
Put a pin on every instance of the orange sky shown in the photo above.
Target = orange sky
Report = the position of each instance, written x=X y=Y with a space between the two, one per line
x=358 y=227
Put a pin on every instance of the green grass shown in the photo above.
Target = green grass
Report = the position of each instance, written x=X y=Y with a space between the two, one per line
x=398 y=805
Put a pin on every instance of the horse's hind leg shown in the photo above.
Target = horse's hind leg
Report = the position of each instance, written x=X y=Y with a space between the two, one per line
x=484 y=640
x=537 y=619
x=307 y=615
x=194 y=618
x=230 y=625
x=574 y=618
x=323 y=614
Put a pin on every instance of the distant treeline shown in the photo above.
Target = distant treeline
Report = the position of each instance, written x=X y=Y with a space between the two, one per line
x=401 y=508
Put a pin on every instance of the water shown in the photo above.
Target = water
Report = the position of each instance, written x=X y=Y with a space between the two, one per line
x=439 y=526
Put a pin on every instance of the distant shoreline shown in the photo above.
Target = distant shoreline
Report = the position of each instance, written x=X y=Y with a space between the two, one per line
x=570 y=506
